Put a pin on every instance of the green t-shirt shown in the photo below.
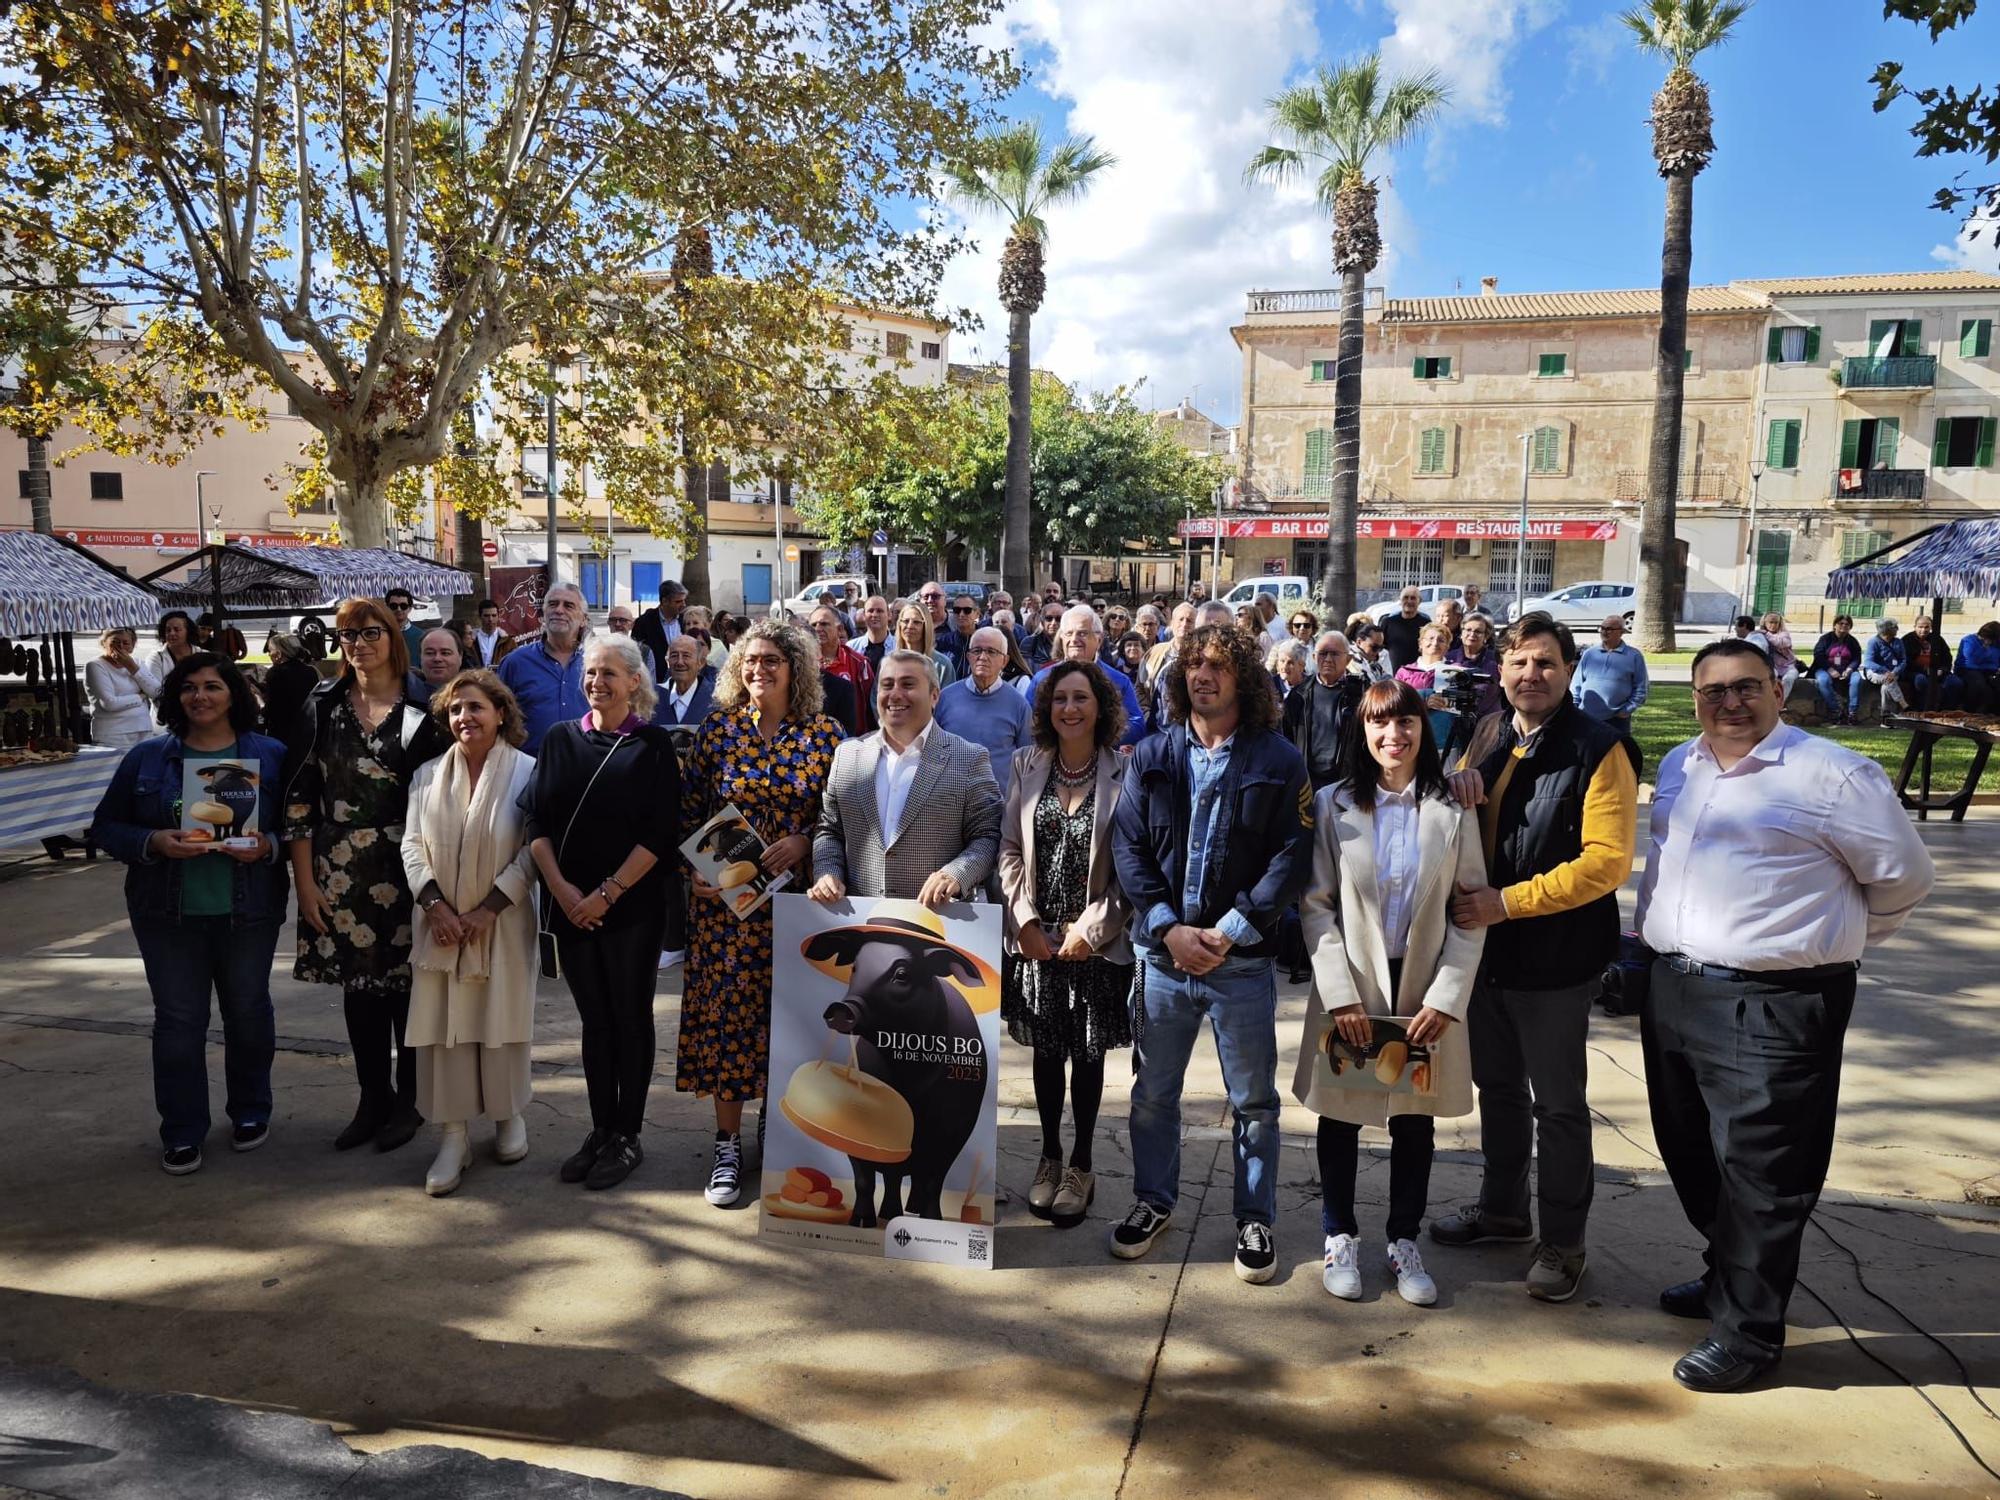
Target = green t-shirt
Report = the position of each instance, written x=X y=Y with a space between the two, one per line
x=208 y=881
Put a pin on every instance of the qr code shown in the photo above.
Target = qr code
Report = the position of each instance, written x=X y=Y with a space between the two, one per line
x=976 y=1248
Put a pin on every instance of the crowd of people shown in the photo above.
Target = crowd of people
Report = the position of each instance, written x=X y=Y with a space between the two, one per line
x=1170 y=803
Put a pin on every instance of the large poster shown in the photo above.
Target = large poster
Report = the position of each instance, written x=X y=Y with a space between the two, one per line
x=885 y=1035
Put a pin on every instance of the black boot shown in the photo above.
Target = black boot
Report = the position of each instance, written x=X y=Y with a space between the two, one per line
x=369 y=1117
x=400 y=1128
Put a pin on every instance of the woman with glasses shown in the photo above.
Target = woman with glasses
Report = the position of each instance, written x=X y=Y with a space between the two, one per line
x=1304 y=626
x=352 y=758
x=1836 y=668
x=914 y=633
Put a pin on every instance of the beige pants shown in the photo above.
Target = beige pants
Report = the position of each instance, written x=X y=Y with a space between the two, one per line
x=460 y=1083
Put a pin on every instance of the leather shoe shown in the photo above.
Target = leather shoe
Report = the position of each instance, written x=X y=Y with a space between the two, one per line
x=1686 y=1299
x=1710 y=1367
x=399 y=1129
x=369 y=1117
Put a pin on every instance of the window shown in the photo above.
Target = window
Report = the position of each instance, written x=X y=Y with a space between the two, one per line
x=931 y=350
x=1552 y=365
x=1541 y=567
x=291 y=407
x=1319 y=464
x=1687 y=359
x=1434 y=451
x=1892 y=338
x=106 y=486
x=1432 y=367
x=1322 y=369
x=1869 y=443
x=897 y=345
x=1781 y=448
x=1791 y=346
x=1855 y=545
x=27 y=484
x=1545 y=451
x=1975 y=338
x=1962 y=443
x=1405 y=563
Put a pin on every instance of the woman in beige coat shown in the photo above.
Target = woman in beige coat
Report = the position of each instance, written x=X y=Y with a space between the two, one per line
x=474 y=966
x=1068 y=976
x=1389 y=846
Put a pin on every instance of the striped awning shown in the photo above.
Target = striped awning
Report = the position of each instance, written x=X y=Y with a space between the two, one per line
x=49 y=585
x=1960 y=560
x=255 y=577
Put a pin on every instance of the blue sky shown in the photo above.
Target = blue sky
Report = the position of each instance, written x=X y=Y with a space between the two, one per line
x=1541 y=173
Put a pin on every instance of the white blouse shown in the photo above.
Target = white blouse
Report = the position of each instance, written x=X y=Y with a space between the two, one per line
x=1396 y=863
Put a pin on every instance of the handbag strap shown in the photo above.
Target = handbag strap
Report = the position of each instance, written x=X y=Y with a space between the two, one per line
x=564 y=844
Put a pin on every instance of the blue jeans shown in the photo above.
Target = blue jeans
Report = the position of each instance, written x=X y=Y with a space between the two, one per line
x=1240 y=1000
x=1830 y=695
x=184 y=961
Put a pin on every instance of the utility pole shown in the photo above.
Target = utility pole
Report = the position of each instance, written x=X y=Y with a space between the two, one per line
x=1749 y=598
x=554 y=378
x=1521 y=546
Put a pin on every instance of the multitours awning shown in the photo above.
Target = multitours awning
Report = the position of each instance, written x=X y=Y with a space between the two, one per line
x=1959 y=560
x=1413 y=528
x=50 y=585
x=277 y=577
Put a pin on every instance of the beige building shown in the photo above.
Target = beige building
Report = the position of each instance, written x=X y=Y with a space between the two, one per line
x=1465 y=398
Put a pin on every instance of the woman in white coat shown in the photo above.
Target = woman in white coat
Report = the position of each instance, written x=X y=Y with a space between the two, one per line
x=120 y=711
x=474 y=965
x=1389 y=846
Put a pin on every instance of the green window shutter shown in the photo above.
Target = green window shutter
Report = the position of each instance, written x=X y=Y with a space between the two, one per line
x=1975 y=338
x=1417 y=367
x=1812 y=344
x=1913 y=337
x=1687 y=359
x=1984 y=458
x=1940 y=442
x=1553 y=364
x=1850 y=444
x=1430 y=451
x=1774 y=346
x=1547 y=453
x=1774 y=446
x=1888 y=434
x=1879 y=342
x=1319 y=452
x=1444 y=369
x=1793 y=427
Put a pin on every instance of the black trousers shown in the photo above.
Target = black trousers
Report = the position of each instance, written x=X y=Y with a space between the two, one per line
x=1529 y=1062
x=611 y=977
x=375 y=1022
x=1412 y=1143
x=1744 y=1080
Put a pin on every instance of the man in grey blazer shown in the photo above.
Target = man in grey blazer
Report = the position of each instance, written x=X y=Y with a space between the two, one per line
x=911 y=810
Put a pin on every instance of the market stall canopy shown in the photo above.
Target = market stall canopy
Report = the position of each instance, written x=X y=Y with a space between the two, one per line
x=1959 y=560
x=49 y=585
x=250 y=577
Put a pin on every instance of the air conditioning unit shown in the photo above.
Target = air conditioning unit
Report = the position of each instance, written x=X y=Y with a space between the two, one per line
x=1465 y=548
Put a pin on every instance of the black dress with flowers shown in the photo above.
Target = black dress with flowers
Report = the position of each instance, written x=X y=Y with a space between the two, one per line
x=349 y=796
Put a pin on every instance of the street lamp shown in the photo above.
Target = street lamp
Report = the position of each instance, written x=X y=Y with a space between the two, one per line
x=1521 y=545
x=1750 y=548
x=200 y=509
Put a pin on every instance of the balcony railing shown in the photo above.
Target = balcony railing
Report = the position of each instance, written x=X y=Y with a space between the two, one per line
x=1711 y=486
x=1319 y=300
x=1874 y=372
x=1878 y=484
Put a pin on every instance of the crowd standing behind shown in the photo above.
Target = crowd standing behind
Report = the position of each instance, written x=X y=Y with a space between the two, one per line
x=1165 y=800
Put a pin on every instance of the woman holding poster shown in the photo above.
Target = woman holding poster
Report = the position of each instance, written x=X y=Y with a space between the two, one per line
x=1390 y=844
x=1068 y=975
x=205 y=910
x=766 y=750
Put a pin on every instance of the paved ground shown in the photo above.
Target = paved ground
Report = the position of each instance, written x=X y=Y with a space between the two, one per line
x=639 y=1336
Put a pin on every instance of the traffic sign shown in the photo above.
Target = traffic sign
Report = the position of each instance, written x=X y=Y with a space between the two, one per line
x=791 y=552
x=879 y=539
x=489 y=549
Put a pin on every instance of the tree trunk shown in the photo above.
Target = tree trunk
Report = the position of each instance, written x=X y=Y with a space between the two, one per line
x=1343 y=510
x=38 y=486
x=1657 y=552
x=362 y=508
x=694 y=568
x=1016 y=566
x=471 y=559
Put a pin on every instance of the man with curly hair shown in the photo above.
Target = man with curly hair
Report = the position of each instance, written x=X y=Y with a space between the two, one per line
x=1210 y=842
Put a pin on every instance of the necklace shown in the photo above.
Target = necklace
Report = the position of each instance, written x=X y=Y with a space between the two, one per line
x=1068 y=778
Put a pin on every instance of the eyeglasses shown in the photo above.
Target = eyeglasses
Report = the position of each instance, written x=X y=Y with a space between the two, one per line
x=1746 y=690
x=1052 y=619
x=984 y=651
x=368 y=633
x=930 y=598
x=1302 y=626
x=965 y=609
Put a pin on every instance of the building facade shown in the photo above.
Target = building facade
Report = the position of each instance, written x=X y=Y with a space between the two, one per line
x=1468 y=400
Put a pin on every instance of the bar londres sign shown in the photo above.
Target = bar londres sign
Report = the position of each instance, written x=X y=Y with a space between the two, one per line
x=1402 y=528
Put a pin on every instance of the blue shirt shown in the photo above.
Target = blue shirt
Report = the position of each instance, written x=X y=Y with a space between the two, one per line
x=1135 y=717
x=550 y=692
x=1610 y=683
x=998 y=719
x=1208 y=770
x=1883 y=655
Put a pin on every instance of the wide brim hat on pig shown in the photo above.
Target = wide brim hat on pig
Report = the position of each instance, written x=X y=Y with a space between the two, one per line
x=920 y=929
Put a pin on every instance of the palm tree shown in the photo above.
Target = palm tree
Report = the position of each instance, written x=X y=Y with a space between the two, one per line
x=1012 y=172
x=1676 y=31
x=1335 y=129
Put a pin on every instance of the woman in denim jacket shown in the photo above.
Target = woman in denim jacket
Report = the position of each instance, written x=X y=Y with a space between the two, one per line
x=205 y=912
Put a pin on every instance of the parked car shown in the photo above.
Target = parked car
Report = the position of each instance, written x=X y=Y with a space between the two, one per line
x=1431 y=595
x=1587 y=603
x=1287 y=590
x=827 y=590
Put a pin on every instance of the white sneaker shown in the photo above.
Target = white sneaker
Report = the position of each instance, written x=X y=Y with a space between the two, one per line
x=510 y=1139
x=1413 y=1282
x=1342 y=1276
x=671 y=957
x=448 y=1170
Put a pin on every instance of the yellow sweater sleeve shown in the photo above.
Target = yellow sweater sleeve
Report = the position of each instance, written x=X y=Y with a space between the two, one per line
x=1610 y=819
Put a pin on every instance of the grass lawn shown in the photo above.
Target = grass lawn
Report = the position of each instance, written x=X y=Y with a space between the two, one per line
x=1668 y=718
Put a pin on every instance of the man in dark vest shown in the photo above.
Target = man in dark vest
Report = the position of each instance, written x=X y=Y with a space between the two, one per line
x=1558 y=794
x=1319 y=714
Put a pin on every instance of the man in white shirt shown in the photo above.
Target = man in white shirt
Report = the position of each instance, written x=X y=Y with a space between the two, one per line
x=489 y=641
x=1776 y=858
x=911 y=810
x=689 y=691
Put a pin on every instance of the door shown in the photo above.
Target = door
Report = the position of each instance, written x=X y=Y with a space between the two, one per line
x=594 y=578
x=1774 y=559
x=756 y=585
x=646 y=583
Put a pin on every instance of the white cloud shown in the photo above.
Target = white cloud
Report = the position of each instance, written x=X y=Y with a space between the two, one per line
x=1592 y=48
x=1968 y=254
x=1468 y=41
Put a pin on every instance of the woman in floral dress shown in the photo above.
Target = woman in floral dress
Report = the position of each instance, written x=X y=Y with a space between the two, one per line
x=347 y=785
x=767 y=749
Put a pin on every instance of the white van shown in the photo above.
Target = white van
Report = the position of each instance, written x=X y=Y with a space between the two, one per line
x=1287 y=590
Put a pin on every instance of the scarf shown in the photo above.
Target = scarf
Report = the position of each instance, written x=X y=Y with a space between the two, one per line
x=460 y=830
